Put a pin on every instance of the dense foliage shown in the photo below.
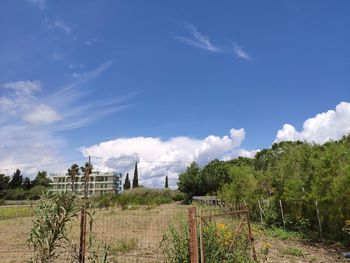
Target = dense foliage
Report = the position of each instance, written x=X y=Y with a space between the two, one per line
x=18 y=187
x=297 y=173
x=137 y=197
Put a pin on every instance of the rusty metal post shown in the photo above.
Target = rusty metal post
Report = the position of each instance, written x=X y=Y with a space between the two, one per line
x=251 y=237
x=87 y=172
x=192 y=223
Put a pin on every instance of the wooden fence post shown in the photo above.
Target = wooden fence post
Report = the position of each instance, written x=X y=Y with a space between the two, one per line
x=318 y=218
x=281 y=207
x=192 y=223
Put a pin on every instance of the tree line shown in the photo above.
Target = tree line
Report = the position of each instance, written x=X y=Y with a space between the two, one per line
x=18 y=187
x=297 y=173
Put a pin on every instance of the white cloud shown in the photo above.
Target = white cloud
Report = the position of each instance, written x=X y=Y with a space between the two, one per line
x=32 y=124
x=330 y=125
x=198 y=40
x=158 y=157
x=42 y=114
x=39 y=3
x=62 y=25
x=240 y=53
x=91 y=41
x=57 y=24
x=26 y=86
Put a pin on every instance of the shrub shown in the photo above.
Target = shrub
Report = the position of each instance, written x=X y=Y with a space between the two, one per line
x=104 y=200
x=175 y=243
x=218 y=243
x=144 y=196
x=50 y=226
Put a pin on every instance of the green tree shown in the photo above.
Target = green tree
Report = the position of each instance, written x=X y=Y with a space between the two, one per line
x=16 y=180
x=73 y=172
x=127 y=183
x=242 y=186
x=4 y=182
x=26 y=184
x=166 y=182
x=189 y=182
x=135 y=180
x=41 y=179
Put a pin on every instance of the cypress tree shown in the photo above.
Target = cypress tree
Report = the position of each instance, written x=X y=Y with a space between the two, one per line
x=16 y=180
x=135 y=181
x=166 y=182
x=126 y=185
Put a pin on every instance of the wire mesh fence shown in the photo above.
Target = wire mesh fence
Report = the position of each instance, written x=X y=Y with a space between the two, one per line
x=126 y=235
x=225 y=235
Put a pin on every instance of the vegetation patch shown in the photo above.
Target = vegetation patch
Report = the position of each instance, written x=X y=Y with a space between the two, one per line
x=15 y=212
x=125 y=246
x=283 y=234
x=293 y=252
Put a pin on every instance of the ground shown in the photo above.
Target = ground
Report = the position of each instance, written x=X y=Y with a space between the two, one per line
x=135 y=235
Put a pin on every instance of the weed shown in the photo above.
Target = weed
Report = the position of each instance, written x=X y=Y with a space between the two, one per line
x=283 y=234
x=293 y=252
x=125 y=246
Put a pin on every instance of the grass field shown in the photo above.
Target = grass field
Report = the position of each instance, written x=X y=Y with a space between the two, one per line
x=15 y=212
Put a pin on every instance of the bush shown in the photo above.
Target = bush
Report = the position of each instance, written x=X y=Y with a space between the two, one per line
x=36 y=192
x=145 y=196
x=104 y=200
x=50 y=226
x=217 y=240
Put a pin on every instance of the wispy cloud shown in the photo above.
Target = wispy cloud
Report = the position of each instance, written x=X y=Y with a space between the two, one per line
x=198 y=40
x=240 y=53
x=58 y=23
x=91 y=41
x=32 y=124
x=62 y=25
x=201 y=41
x=39 y=3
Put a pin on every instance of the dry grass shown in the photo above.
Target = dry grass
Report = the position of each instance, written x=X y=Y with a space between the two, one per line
x=144 y=225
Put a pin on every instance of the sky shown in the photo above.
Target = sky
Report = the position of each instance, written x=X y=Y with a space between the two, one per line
x=166 y=83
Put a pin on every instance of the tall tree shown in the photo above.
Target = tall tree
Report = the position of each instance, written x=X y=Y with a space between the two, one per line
x=135 y=181
x=4 y=182
x=166 y=182
x=26 y=184
x=41 y=179
x=73 y=172
x=126 y=185
x=16 y=180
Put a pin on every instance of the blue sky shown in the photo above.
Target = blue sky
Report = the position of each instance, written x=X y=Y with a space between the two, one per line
x=164 y=69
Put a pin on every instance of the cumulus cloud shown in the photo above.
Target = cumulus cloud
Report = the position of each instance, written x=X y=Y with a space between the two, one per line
x=198 y=40
x=330 y=125
x=158 y=157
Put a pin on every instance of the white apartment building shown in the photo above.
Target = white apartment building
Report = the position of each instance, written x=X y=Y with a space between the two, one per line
x=99 y=182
